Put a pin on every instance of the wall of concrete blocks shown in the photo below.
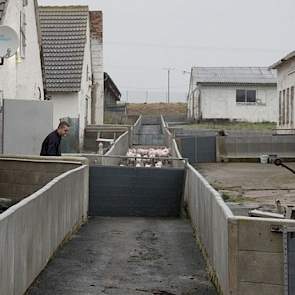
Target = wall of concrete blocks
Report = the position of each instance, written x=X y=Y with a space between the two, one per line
x=32 y=230
x=244 y=255
x=254 y=146
x=256 y=256
x=19 y=179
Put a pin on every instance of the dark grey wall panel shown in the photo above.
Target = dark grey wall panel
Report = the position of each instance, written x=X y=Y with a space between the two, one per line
x=129 y=191
x=199 y=149
x=291 y=262
x=1 y=129
x=205 y=149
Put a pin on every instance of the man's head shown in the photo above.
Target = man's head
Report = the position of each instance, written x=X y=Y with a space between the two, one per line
x=63 y=128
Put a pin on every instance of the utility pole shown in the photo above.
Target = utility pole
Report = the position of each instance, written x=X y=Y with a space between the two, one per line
x=168 y=89
x=146 y=96
x=127 y=94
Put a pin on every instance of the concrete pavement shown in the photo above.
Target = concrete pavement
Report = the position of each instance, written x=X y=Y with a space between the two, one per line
x=127 y=256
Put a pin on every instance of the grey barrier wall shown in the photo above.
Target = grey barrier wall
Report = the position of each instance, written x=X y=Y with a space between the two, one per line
x=257 y=256
x=32 y=230
x=119 y=148
x=136 y=127
x=198 y=149
x=133 y=191
x=171 y=143
x=254 y=146
x=25 y=125
x=244 y=254
x=1 y=128
x=18 y=179
x=209 y=216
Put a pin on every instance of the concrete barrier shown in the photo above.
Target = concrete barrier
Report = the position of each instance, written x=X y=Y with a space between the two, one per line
x=119 y=148
x=136 y=126
x=243 y=254
x=32 y=230
x=209 y=216
x=228 y=147
x=256 y=256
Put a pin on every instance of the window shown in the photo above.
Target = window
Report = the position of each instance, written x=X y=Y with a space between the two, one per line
x=243 y=95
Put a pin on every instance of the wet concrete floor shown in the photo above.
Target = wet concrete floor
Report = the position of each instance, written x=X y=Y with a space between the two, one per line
x=127 y=256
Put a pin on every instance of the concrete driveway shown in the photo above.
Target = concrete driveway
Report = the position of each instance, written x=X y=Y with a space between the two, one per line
x=127 y=256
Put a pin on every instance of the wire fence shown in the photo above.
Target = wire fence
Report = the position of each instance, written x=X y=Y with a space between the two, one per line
x=150 y=96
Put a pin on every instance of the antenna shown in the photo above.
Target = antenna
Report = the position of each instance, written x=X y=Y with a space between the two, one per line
x=9 y=42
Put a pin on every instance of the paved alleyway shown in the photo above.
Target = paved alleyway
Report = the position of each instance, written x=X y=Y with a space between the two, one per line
x=127 y=256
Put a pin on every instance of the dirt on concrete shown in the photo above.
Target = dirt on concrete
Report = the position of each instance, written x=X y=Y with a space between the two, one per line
x=253 y=183
x=127 y=256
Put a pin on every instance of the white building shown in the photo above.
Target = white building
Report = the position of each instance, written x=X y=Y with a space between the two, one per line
x=232 y=93
x=72 y=60
x=285 y=102
x=21 y=74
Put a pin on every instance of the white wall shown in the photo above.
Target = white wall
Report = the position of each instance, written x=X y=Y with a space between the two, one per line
x=21 y=78
x=286 y=79
x=65 y=104
x=25 y=125
x=220 y=103
x=84 y=95
x=97 y=69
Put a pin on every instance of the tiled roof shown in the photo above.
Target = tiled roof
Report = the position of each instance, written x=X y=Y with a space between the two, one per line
x=234 y=75
x=3 y=4
x=63 y=35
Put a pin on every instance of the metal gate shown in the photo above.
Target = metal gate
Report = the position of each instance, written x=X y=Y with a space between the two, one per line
x=199 y=149
x=129 y=191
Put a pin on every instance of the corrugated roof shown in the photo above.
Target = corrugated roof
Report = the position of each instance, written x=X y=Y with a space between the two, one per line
x=63 y=35
x=3 y=4
x=283 y=60
x=234 y=75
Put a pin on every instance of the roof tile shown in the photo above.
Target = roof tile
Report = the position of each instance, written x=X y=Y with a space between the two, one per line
x=63 y=35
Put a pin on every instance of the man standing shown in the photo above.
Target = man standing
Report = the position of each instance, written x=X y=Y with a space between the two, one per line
x=51 y=144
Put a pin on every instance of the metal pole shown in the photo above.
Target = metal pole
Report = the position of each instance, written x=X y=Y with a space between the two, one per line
x=168 y=87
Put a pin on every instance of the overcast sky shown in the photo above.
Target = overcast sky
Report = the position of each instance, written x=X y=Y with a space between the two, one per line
x=142 y=37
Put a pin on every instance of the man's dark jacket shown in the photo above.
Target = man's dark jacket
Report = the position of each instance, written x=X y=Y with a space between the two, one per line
x=51 y=145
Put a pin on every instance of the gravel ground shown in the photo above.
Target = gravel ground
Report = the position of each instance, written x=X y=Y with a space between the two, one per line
x=251 y=182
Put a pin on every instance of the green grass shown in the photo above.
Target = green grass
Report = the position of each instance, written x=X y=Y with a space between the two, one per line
x=230 y=198
x=233 y=126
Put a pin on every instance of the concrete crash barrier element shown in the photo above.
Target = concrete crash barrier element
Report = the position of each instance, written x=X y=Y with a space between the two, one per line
x=256 y=256
x=32 y=229
x=171 y=143
x=244 y=254
x=120 y=147
x=209 y=216
x=233 y=147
